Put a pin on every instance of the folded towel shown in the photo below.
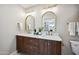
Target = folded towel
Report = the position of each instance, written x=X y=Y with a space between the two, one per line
x=71 y=28
x=78 y=27
x=20 y=26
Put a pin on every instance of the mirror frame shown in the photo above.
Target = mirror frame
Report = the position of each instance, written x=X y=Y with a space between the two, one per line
x=46 y=13
x=26 y=27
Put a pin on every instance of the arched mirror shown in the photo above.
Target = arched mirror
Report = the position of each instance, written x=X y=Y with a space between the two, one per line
x=29 y=23
x=49 y=21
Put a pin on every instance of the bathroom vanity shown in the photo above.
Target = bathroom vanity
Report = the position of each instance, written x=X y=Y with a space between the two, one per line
x=44 y=43
x=38 y=44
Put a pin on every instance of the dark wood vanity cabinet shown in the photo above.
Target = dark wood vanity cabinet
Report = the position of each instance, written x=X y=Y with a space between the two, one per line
x=36 y=46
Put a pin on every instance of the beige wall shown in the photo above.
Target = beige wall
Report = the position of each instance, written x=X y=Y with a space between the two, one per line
x=65 y=14
x=9 y=16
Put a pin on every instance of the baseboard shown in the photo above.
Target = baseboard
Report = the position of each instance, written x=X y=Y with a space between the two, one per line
x=4 y=52
x=13 y=53
x=7 y=52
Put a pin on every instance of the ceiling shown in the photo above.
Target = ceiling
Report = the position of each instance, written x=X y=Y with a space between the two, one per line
x=26 y=6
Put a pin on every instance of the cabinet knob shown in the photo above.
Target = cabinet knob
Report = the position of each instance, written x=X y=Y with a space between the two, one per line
x=48 y=43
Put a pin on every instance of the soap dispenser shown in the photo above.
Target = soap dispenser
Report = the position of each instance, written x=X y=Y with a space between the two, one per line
x=34 y=31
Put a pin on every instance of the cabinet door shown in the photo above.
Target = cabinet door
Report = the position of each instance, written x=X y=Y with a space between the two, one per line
x=43 y=46
x=19 y=43
x=35 y=46
x=31 y=45
x=58 y=48
x=45 y=51
x=27 y=45
x=55 y=47
x=35 y=42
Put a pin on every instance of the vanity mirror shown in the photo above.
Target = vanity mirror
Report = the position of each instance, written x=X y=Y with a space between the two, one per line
x=49 y=21
x=29 y=23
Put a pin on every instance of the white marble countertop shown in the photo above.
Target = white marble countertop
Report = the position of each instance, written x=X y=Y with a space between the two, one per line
x=47 y=37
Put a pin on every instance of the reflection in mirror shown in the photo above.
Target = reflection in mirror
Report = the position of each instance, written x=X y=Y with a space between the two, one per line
x=29 y=23
x=49 y=21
